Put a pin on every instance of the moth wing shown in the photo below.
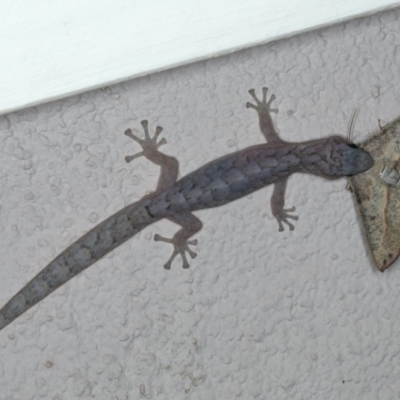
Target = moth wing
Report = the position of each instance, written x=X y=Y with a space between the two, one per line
x=377 y=193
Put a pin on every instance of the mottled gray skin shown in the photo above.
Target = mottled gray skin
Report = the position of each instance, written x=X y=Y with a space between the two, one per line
x=216 y=183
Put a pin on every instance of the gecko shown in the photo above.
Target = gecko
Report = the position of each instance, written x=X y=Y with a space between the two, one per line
x=216 y=183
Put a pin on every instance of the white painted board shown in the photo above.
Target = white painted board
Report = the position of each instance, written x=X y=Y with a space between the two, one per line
x=52 y=49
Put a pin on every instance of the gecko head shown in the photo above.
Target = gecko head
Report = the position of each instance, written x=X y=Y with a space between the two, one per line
x=346 y=159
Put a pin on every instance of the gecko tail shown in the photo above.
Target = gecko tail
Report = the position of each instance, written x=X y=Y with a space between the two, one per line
x=84 y=252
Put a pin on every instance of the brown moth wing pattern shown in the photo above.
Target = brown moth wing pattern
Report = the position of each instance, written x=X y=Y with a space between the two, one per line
x=377 y=192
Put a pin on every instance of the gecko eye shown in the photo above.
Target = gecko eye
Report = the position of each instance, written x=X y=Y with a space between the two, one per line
x=352 y=145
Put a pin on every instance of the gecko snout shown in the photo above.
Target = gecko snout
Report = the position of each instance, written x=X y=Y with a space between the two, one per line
x=358 y=160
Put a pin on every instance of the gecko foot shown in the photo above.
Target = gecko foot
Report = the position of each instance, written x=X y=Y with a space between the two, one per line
x=149 y=144
x=262 y=105
x=180 y=247
x=283 y=216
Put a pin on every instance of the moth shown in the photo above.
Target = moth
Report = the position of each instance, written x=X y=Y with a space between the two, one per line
x=377 y=194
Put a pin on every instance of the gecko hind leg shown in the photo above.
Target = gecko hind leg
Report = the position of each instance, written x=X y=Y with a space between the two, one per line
x=150 y=145
x=190 y=226
x=262 y=103
x=263 y=108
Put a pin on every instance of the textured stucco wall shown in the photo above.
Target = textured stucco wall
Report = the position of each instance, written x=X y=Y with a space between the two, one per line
x=260 y=314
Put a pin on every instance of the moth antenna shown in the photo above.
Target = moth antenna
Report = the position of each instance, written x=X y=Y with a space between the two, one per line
x=351 y=125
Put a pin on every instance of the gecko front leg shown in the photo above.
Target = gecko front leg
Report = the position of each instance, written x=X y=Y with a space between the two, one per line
x=278 y=202
x=263 y=108
x=168 y=176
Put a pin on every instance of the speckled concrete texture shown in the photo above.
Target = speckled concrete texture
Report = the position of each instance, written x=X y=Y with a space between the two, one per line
x=260 y=314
